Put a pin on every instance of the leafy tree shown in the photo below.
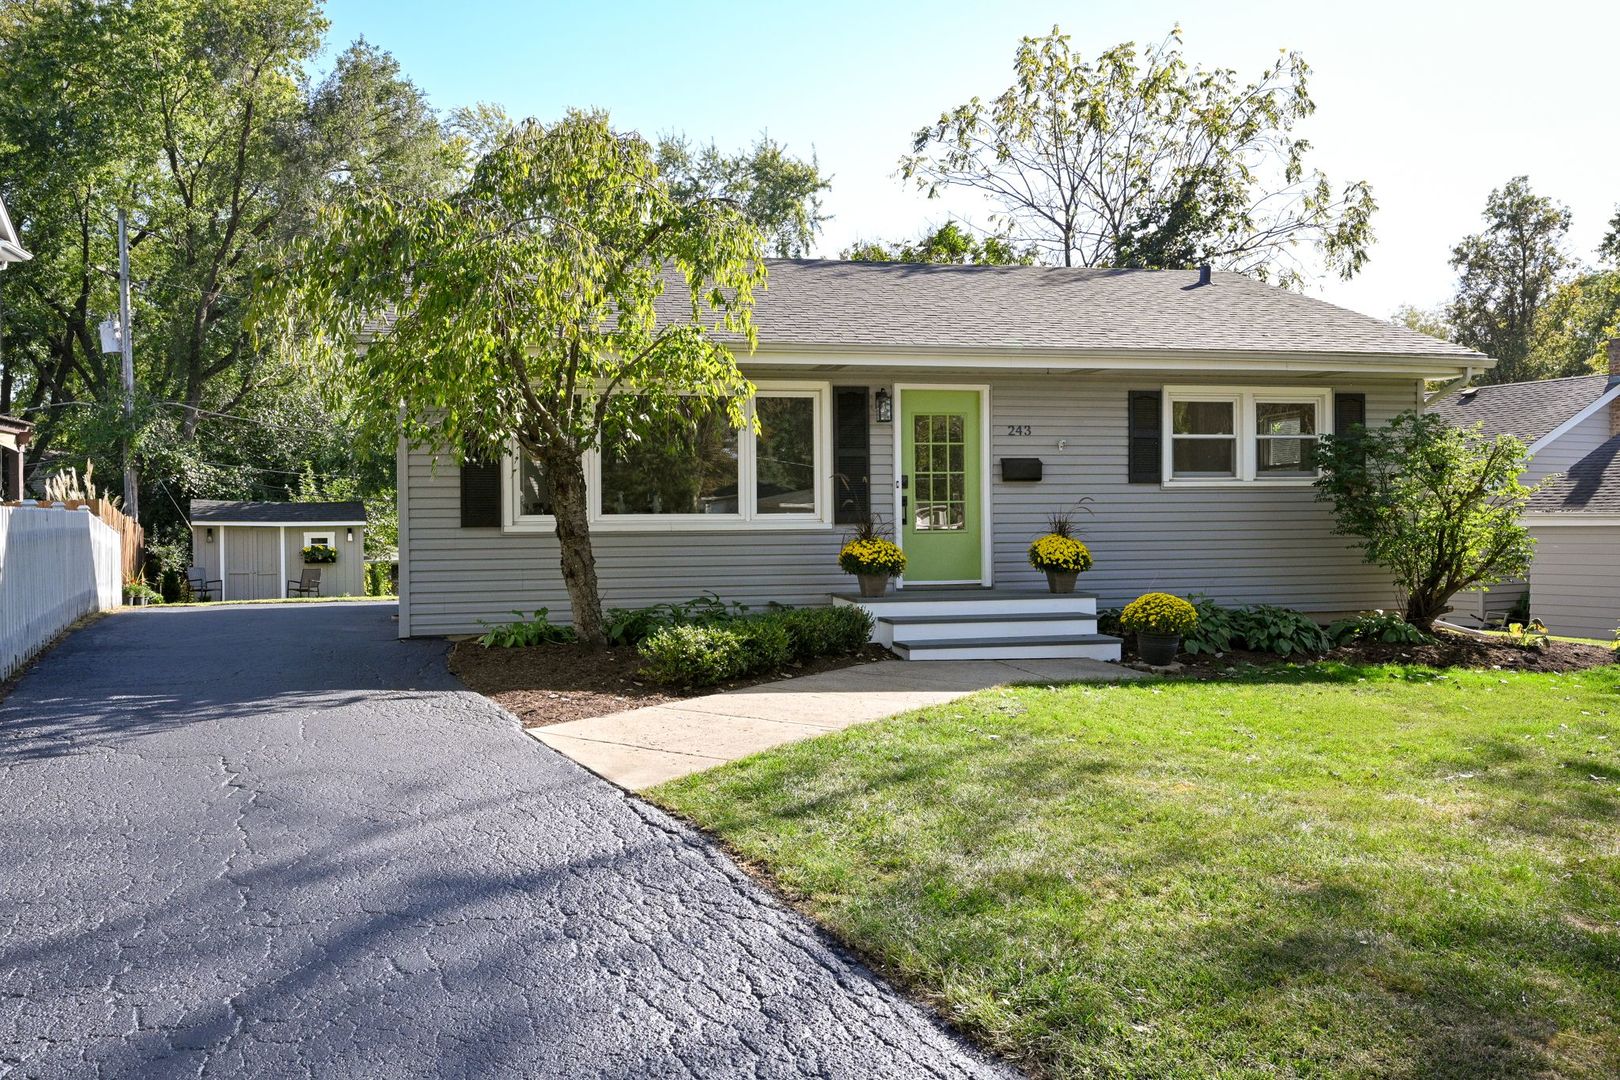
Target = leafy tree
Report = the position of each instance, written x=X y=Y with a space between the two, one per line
x=950 y=243
x=1573 y=328
x=780 y=194
x=201 y=120
x=523 y=307
x=1139 y=159
x=1436 y=506
x=1506 y=273
x=1571 y=331
x=1424 y=321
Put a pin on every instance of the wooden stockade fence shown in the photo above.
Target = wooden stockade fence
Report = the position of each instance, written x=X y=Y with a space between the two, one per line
x=56 y=566
x=132 y=538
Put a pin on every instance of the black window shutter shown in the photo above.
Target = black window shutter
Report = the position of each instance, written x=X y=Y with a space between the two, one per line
x=1348 y=410
x=481 y=495
x=852 y=455
x=1146 y=458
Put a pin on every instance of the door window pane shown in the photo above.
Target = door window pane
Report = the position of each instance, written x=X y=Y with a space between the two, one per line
x=785 y=455
x=939 y=478
x=685 y=462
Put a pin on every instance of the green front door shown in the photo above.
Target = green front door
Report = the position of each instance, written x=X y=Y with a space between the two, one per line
x=940 y=447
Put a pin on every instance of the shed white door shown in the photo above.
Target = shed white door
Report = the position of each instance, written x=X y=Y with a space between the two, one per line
x=252 y=564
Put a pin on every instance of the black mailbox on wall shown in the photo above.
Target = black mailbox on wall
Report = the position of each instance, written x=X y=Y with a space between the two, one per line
x=1020 y=468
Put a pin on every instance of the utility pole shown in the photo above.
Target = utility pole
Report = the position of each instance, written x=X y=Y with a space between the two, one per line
x=126 y=345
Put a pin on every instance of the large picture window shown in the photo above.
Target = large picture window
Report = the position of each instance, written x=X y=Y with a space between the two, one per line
x=1237 y=435
x=692 y=469
x=684 y=463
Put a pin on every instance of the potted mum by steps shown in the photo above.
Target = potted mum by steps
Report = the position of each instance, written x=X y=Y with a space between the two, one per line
x=1158 y=620
x=872 y=558
x=1060 y=553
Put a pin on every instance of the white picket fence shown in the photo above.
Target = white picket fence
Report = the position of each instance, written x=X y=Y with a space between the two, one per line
x=55 y=566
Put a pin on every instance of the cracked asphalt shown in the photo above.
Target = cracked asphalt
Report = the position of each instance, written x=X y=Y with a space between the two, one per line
x=275 y=841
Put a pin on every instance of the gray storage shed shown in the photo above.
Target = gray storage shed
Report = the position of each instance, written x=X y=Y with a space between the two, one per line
x=256 y=548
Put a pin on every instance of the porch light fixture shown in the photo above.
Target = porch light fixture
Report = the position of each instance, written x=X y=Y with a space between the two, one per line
x=210 y=532
x=885 y=407
x=348 y=535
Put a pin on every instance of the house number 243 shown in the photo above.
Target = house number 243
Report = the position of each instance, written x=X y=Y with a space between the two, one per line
x=1020 y=429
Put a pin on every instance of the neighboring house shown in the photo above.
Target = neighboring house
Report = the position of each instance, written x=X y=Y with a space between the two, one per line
x=966 y=403
x=11 y=249
x=14 y=433
x=1563 y=422
x=256 y=548
x=14 y=436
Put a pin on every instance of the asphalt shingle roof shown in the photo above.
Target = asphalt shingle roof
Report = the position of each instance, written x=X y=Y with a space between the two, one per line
x=812 y=302
x=1592 y=485
x=1528 y=410
x=277 y=513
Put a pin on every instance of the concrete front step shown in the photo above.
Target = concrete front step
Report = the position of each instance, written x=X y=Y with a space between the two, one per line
x=1056 y=646
x=949 y=602
x=1007 y=626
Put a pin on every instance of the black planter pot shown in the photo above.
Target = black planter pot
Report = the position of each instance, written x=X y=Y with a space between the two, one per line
x=1158 y=649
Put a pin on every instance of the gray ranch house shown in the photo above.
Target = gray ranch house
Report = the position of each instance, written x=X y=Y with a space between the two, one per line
x=964 y=404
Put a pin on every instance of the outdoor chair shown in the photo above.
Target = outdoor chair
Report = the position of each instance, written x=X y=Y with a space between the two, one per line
x=202 y=586
x=309 y=584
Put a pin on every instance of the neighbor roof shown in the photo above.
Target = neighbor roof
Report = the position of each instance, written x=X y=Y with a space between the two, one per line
x=812 y=303
x=13 y=425
x=278 y=513
x=1527 y=410
x=1592 y=485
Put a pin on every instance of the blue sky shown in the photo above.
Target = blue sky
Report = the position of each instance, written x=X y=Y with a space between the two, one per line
x=1434 y=103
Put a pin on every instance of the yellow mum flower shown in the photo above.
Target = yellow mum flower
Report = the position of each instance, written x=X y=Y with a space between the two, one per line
x=1061 y=553
x=1158 y=613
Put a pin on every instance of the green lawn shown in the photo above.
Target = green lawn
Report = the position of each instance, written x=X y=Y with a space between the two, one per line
x=1331 y=871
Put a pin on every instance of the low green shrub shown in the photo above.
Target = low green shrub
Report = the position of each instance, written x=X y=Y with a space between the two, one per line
x=1108 y=622
x=632 y=626
x=535 y=629
x=699 y=654
x=690 y=655
x=1265 y=628
x=1386 y=627
x=823 y=631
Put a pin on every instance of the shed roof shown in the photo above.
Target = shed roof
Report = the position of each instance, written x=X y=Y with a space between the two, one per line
x=204 y=511
x=1592 y=485
x=1528 y=410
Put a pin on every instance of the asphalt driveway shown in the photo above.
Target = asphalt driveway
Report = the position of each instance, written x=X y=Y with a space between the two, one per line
x=274 y=841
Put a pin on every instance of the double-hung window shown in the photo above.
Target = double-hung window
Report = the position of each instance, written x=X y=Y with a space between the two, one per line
x=689 y=468
x=1242 y=435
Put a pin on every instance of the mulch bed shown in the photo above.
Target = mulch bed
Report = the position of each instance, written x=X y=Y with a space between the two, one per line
x=1451 y=651
x=548 y=684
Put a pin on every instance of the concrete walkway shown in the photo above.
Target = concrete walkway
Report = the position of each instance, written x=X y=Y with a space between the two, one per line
x=642 y=748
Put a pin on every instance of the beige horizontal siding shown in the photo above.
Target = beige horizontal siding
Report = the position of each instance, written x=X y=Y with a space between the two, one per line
x=1575 y=579
x=1574 y=444
x=1240 y=544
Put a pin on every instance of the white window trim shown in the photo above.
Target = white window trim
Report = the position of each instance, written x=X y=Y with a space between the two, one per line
x=333 y=543
x=747 y=519
x=1244 y=400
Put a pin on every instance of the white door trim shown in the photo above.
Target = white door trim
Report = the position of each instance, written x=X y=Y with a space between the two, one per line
x=986 y=532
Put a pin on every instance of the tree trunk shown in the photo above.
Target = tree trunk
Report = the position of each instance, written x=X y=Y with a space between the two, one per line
x=1423 y=608
x=565 y=475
